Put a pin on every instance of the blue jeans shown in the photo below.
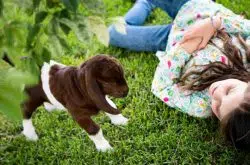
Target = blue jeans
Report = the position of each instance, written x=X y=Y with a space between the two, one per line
x=145 y=38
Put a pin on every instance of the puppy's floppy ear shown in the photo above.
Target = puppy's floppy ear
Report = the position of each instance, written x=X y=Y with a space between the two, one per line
x=94 y=90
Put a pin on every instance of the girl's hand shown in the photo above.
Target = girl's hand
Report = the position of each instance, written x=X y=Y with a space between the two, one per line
x=203 y=29
x=192 y=44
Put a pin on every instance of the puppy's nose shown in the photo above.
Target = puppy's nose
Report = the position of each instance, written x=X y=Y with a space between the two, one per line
x=125 y=92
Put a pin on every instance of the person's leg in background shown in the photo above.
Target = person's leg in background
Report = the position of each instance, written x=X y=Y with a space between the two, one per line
x=139 y=12
x=140 y=38
x=169 y=6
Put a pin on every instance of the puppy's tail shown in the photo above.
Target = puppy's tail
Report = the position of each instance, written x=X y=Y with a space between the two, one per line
x=7 y=59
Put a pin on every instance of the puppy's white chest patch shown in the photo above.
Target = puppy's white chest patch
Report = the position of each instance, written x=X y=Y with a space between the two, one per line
x=45 y=83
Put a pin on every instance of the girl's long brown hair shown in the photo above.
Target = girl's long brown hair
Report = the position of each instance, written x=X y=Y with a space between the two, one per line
x=218 y=71
x=236 y=125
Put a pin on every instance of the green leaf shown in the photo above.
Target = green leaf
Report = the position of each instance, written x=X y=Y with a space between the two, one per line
x=55 y=46
x=38 y=58
x=1 y=7
x=97 y=26
x=36 y=3
x=49 y=3
x=40 y=16
x=12 y=32
x=64 y=14
x=27 y=6
x=52 y=3
x=9 y=35
x=71 y=4
x=62 y=42
x=119 y=24
x=11 y=92
x=20 y=78
x=53 y=25
x=79 y=30
x=68 y=23
x=9 y=108
x=82 y=33
x=33 y=31
x=96 y=7
x=64 y=28
x=46 y=54
x=28 y=64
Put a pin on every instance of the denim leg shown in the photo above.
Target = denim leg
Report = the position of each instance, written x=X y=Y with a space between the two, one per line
x=170 y=6
x=139 y=12
x=141 y=38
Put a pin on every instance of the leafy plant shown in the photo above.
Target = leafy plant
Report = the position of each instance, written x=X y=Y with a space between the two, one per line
x=11 y=93
x=37 y=30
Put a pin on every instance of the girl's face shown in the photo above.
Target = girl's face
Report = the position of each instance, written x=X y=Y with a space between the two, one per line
x=226 y=95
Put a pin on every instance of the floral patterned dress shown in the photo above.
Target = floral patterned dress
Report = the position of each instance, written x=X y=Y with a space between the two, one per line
x=175 y=59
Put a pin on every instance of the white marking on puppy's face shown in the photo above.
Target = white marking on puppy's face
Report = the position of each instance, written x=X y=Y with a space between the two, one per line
x=100 y=142
x=29 y=130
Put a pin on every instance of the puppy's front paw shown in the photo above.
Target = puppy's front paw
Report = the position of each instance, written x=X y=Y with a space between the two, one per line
x=104 y=146
x=30 y=135
x=119 y=120
x=100 y=142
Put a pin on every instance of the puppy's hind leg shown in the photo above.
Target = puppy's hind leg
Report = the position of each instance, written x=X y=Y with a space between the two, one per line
x=118 y=119
x=36 y=98
x=28 y=129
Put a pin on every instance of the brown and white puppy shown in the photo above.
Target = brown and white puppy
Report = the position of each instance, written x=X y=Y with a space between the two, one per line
x=82 y=91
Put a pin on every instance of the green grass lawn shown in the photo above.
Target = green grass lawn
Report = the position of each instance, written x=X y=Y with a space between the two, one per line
x=156 y=134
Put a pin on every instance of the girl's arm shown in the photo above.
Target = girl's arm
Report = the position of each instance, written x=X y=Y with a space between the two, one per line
x=205 y=29
x=234 y=24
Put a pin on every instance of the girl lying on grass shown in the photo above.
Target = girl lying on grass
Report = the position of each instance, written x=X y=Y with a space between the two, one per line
x=204 y=68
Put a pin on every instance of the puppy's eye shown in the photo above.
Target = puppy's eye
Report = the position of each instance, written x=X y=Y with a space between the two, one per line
x=120 y=81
